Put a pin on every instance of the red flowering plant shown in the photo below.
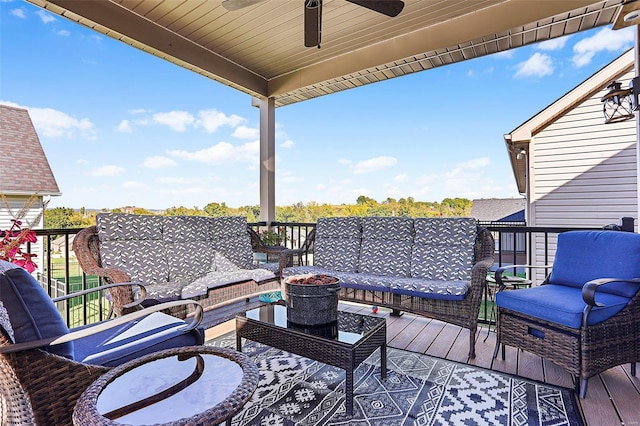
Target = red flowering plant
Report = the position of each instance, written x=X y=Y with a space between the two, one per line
x=11 y=245
x=13 y=239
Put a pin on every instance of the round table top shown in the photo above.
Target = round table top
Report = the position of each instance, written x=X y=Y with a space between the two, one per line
x=190 y=385
x=510 y=281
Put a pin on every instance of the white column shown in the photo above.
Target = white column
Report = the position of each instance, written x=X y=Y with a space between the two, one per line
x=267 y=159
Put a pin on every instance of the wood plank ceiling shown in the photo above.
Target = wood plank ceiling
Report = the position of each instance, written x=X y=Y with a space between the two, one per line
x=259 y=49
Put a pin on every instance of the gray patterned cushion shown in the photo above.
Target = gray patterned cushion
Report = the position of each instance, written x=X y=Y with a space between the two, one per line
x=386 y=246
x=443 y=248
x=143 y=260
x=133 y=243
x=175 y=256
x=337 y=243
x=229 y=236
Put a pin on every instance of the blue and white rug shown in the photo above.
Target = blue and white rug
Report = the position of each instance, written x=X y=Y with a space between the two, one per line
x=418 y=390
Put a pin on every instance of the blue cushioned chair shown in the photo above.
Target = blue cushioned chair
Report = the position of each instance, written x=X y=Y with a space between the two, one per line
x=585 y=316
x=44 y=366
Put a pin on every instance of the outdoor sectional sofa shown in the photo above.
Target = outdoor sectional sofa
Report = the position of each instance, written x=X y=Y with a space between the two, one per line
x=435 y=267
x=208 y=259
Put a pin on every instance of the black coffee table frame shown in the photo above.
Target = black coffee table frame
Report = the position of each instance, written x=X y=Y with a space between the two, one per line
x=326 y=350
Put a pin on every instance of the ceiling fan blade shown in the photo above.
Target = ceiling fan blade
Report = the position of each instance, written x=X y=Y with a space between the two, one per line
x=312 y=23
x=238 y=4
x=386 y=7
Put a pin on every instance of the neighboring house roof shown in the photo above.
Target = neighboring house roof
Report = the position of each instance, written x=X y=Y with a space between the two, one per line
x=521 y=136
x=498 y=210
x=23 y=163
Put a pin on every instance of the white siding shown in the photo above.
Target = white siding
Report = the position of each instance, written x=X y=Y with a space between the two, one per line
x=16 y=203
x=582 y=171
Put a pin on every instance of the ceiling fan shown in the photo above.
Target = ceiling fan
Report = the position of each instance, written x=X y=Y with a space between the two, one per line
x=313 y=13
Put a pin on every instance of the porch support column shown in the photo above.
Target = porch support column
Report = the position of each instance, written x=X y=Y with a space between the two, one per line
x=267 y=159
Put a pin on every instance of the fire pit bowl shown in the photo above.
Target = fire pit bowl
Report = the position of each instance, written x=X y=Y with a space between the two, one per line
x=311 y=299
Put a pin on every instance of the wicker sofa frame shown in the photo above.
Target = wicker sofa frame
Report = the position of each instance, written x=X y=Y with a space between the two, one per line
x=86 y=246
x=463 y=313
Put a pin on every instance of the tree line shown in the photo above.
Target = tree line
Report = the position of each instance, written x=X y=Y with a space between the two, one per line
x=67 y=217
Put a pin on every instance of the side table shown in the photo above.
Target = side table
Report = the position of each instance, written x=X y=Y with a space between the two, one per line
x=193 y=385
x=511 y=282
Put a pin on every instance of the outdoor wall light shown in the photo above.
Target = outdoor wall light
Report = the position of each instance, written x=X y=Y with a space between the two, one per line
x=521 y=154
x=620 y=104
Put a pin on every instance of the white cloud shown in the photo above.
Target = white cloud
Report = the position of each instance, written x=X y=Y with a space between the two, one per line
x=538 y=65
x=104 y=171
x=132 y=184
x=170 y=180
x=18 y=13
x=177 y=120
x=158 y=162
x=244 y=132
x=137 y=111
x=211 y=120
x=63 y=33
x=374 y=164
x=504 y=54
x=470 y=73
x=124 y=127
x=605 y=39
x=45 y=17
x=553 y=44
x=402 y=177
x=287 y=144
x=221 y=153
x=53 y=123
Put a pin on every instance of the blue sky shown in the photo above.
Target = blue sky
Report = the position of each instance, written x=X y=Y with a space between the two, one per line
x=122 y=127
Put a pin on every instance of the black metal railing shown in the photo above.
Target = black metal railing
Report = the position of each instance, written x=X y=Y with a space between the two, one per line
x=61 y=274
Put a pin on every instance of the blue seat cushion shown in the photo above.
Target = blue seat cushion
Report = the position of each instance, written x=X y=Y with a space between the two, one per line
x=152 y=333
x=582 y=256
x=559 y=304
x=431 y=289
x=32 y=313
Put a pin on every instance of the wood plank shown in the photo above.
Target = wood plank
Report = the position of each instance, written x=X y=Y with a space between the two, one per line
x=425 y=339
x=624 y=394
x=459 y=351
x=556 y=375
x=443 y=341
x=484 y=349
x=530 y=366
x=597 y=407
x=415 y=328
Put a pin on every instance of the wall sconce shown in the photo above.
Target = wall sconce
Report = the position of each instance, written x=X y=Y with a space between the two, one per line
x=521 y=154
x=620 y=104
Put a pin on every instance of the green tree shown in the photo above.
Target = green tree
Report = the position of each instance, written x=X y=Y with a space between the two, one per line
x=58 y=218
x=216 y=210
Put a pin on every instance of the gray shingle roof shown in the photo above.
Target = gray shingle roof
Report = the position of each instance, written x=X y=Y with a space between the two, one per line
x=498 y=209
x=24 y=168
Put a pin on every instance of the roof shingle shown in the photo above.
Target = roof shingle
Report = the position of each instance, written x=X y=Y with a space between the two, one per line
x=24 y=168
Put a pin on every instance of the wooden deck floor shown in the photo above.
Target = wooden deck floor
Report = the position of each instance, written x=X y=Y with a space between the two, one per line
x=613 y=397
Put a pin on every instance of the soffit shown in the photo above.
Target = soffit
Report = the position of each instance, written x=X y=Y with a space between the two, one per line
x=259 y=49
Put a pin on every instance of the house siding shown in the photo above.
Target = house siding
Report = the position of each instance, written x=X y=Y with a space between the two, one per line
x=582 y=171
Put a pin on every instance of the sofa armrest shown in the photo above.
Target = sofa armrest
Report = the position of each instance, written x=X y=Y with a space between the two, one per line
x=106 y=325
x=135 y=303
x=590 y=288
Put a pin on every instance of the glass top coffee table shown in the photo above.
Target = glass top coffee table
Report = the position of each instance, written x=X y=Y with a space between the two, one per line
x=345 y=343
x=183 y=386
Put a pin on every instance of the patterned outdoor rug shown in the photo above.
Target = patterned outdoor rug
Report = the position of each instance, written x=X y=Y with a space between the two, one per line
x=419 y=390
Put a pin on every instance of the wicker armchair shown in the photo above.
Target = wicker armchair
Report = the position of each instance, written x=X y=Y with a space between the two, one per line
x=585 y=316
x=44 y=369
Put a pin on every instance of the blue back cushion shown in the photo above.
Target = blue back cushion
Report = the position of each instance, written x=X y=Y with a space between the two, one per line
x=582 y=256
x=32 y=313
